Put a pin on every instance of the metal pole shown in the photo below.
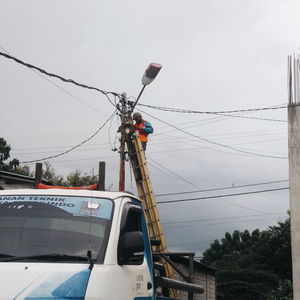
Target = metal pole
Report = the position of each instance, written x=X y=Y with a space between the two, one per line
x=138 y=98
x=122 y=145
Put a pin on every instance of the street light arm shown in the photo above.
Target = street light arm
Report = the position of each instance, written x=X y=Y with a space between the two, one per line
x=138 y=98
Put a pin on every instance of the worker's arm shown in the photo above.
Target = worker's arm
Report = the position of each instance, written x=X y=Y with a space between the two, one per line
x=148 y=128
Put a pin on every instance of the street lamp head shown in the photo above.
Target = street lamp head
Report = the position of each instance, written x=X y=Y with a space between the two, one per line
x=150 y=73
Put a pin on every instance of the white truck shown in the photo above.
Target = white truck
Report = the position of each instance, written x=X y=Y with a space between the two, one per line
x=74 y=244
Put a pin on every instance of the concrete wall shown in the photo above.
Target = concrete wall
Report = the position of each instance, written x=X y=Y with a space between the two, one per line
x=13 y=186
x=202 y=278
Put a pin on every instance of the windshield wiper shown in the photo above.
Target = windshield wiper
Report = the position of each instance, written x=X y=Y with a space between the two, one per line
x=90 y=259
x=47 y=257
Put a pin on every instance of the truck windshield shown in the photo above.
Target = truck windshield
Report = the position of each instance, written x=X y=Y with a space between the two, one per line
x=54 y=228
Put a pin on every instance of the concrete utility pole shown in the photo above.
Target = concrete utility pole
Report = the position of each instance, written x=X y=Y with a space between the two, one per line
x=126 y=109
x=294 y=166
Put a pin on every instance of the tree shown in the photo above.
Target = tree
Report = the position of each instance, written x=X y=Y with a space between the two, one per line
x=283 y=292
x=251 y=266
x=14 y=164
x=49 y=173
x=76 y=179
x=4 y=151
x=73 y=179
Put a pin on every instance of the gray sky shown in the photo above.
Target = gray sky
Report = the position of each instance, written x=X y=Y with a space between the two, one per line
x=216 y=55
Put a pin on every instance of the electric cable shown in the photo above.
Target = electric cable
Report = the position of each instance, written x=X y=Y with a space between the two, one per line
x=175 y=139
x=222 y=188
x=220 y=113
x=111 y=157
x=109 y=134
x=62 y=89
x=222 y=196
x=217 y=219
x=105 y=93
x=215 y=143
x=58 y=151
x=116 y=136
x=179 y=110
x=78 y=145
x=245 y=207
x=173 y=173
x=57 y=147
x=228 y=222
x=241 y=221
x=162 y=171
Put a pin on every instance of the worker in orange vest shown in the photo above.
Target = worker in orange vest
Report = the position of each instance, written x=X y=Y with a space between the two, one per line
x=143 y=127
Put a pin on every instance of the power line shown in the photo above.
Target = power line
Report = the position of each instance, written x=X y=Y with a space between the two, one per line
x=179 y=110
x=173 y=173
x=215 y=143
x=228 y=222
x=242 y=221
x=175 y=138
x=220 y=113
x=215 y=219
x=164 y=172
x=62 y=89
x=18 y=151
x=222 y=196
x=65 y=152
x=222 y=188
x=8 y=56
x=245 y=207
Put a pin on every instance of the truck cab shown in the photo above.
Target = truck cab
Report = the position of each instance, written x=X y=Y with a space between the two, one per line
x=73 y=244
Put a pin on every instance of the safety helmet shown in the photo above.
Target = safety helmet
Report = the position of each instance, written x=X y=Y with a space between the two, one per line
x=136 y=115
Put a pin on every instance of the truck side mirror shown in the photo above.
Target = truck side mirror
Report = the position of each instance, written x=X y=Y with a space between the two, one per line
x=132 y=244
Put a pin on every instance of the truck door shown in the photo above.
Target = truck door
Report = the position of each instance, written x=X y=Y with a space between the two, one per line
x=134 y=255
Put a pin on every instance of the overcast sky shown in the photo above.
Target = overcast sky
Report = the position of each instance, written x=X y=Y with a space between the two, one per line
x=216 y=56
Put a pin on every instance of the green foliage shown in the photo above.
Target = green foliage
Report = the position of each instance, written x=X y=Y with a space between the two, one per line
x=284 y=291
x=251 y=265
x=49 y=173
x=76 y=179
x=245 y=284
x=14 y=164
x=4 y=151
x=73 y=179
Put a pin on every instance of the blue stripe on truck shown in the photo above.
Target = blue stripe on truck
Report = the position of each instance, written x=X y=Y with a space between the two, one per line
x=62 y=286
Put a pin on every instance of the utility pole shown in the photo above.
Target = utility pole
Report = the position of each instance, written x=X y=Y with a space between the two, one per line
x=294 y=166
x=149 y=75
x=123 y=116
x=101 y=180
x=38 y=174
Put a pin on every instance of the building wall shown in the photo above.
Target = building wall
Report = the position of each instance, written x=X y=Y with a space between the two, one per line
x=14 y=186
x=202 y=278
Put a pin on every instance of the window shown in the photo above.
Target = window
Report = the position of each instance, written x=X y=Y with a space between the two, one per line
x=32 y=227
x=131 y=244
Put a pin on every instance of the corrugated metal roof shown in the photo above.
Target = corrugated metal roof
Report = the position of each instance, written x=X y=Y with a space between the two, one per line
x=20 y=178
